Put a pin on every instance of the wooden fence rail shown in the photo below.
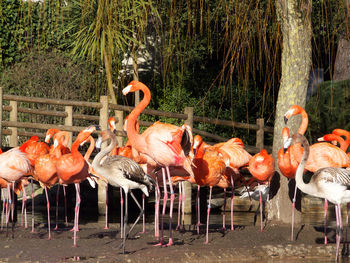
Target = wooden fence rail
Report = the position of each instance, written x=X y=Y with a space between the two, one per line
x=12 y=129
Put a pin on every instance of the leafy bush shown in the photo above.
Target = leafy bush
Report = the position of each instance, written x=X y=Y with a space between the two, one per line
x=329 y=108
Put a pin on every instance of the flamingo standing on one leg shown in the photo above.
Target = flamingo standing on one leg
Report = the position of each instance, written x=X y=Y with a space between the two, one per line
x=162 y=144
x=330 y=183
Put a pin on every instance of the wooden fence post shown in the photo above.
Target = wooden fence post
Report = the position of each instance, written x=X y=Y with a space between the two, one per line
x=119 y=126
x=101 y=190
x=260 y=134
x=1 y=103
x=68 y=121
x=188 y=185
x=14 y=117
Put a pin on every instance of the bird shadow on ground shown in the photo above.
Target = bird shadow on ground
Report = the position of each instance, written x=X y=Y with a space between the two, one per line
x=110 y=234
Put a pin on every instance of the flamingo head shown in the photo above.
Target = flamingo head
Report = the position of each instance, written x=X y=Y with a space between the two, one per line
x=197 y=141
x=293 y=110
x=132 y=87
x=111 y=123
x=49 y=133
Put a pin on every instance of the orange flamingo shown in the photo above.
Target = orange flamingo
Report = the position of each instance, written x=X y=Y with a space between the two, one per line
x=208 y=171
x=333 y=137
x=161 y=144
x=45 y=171
x=33 y=149
x=345 y=133
x=50 y=133
x=236 y=156
x=262 y=167
x=73 y=168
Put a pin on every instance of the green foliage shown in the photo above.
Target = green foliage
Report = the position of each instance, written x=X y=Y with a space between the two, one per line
x=50 y=75
x=8 y=19
x=329 y=108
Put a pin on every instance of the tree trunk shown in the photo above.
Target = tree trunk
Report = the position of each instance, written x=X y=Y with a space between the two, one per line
x=294 y=17
x=108 y=69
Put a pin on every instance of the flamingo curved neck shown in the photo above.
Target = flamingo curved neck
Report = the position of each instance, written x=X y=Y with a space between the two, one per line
x=96 y=163
x=90 y=149
x=304 y=122
x=135 y=139
x=306 y=188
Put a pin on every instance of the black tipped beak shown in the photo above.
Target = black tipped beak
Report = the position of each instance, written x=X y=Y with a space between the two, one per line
x=194 y=152
x=285 y=119
x=285 y=149
x=115 y=131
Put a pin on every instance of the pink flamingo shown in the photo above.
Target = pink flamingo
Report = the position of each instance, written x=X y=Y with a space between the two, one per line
x=161 y=144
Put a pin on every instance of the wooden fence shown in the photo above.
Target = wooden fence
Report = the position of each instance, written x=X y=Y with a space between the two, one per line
x=12 y=129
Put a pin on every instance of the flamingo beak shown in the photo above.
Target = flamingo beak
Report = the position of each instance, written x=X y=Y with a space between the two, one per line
x=285 y=120
x=98 y=143
x=287 y=144
x=126 y=90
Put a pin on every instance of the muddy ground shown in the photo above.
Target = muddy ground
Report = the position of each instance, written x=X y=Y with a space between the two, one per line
x=95 y=244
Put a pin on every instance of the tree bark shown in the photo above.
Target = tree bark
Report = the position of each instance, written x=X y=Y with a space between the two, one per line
x=296 y=61
x=108 y=69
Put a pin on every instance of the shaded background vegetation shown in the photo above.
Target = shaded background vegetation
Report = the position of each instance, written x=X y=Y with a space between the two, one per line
x=222 y=57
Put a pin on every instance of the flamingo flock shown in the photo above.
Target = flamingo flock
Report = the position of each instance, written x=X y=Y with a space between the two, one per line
x=166 y=155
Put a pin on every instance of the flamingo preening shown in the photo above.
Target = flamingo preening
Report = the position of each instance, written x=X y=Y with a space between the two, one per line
x=330 y=183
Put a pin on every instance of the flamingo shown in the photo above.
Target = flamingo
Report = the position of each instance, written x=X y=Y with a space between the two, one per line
x=45 y=171
x=330 y=183
x=235 y=156
x=258 y=192
x=321 y=154
x=14 y=164
x=63 y=139
x=161 y=144
x=333 y=137
x=33 y=149
x=208 y=171
x=342 y=132
x=262 y=167
x=73 y=168
x=122 y=172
